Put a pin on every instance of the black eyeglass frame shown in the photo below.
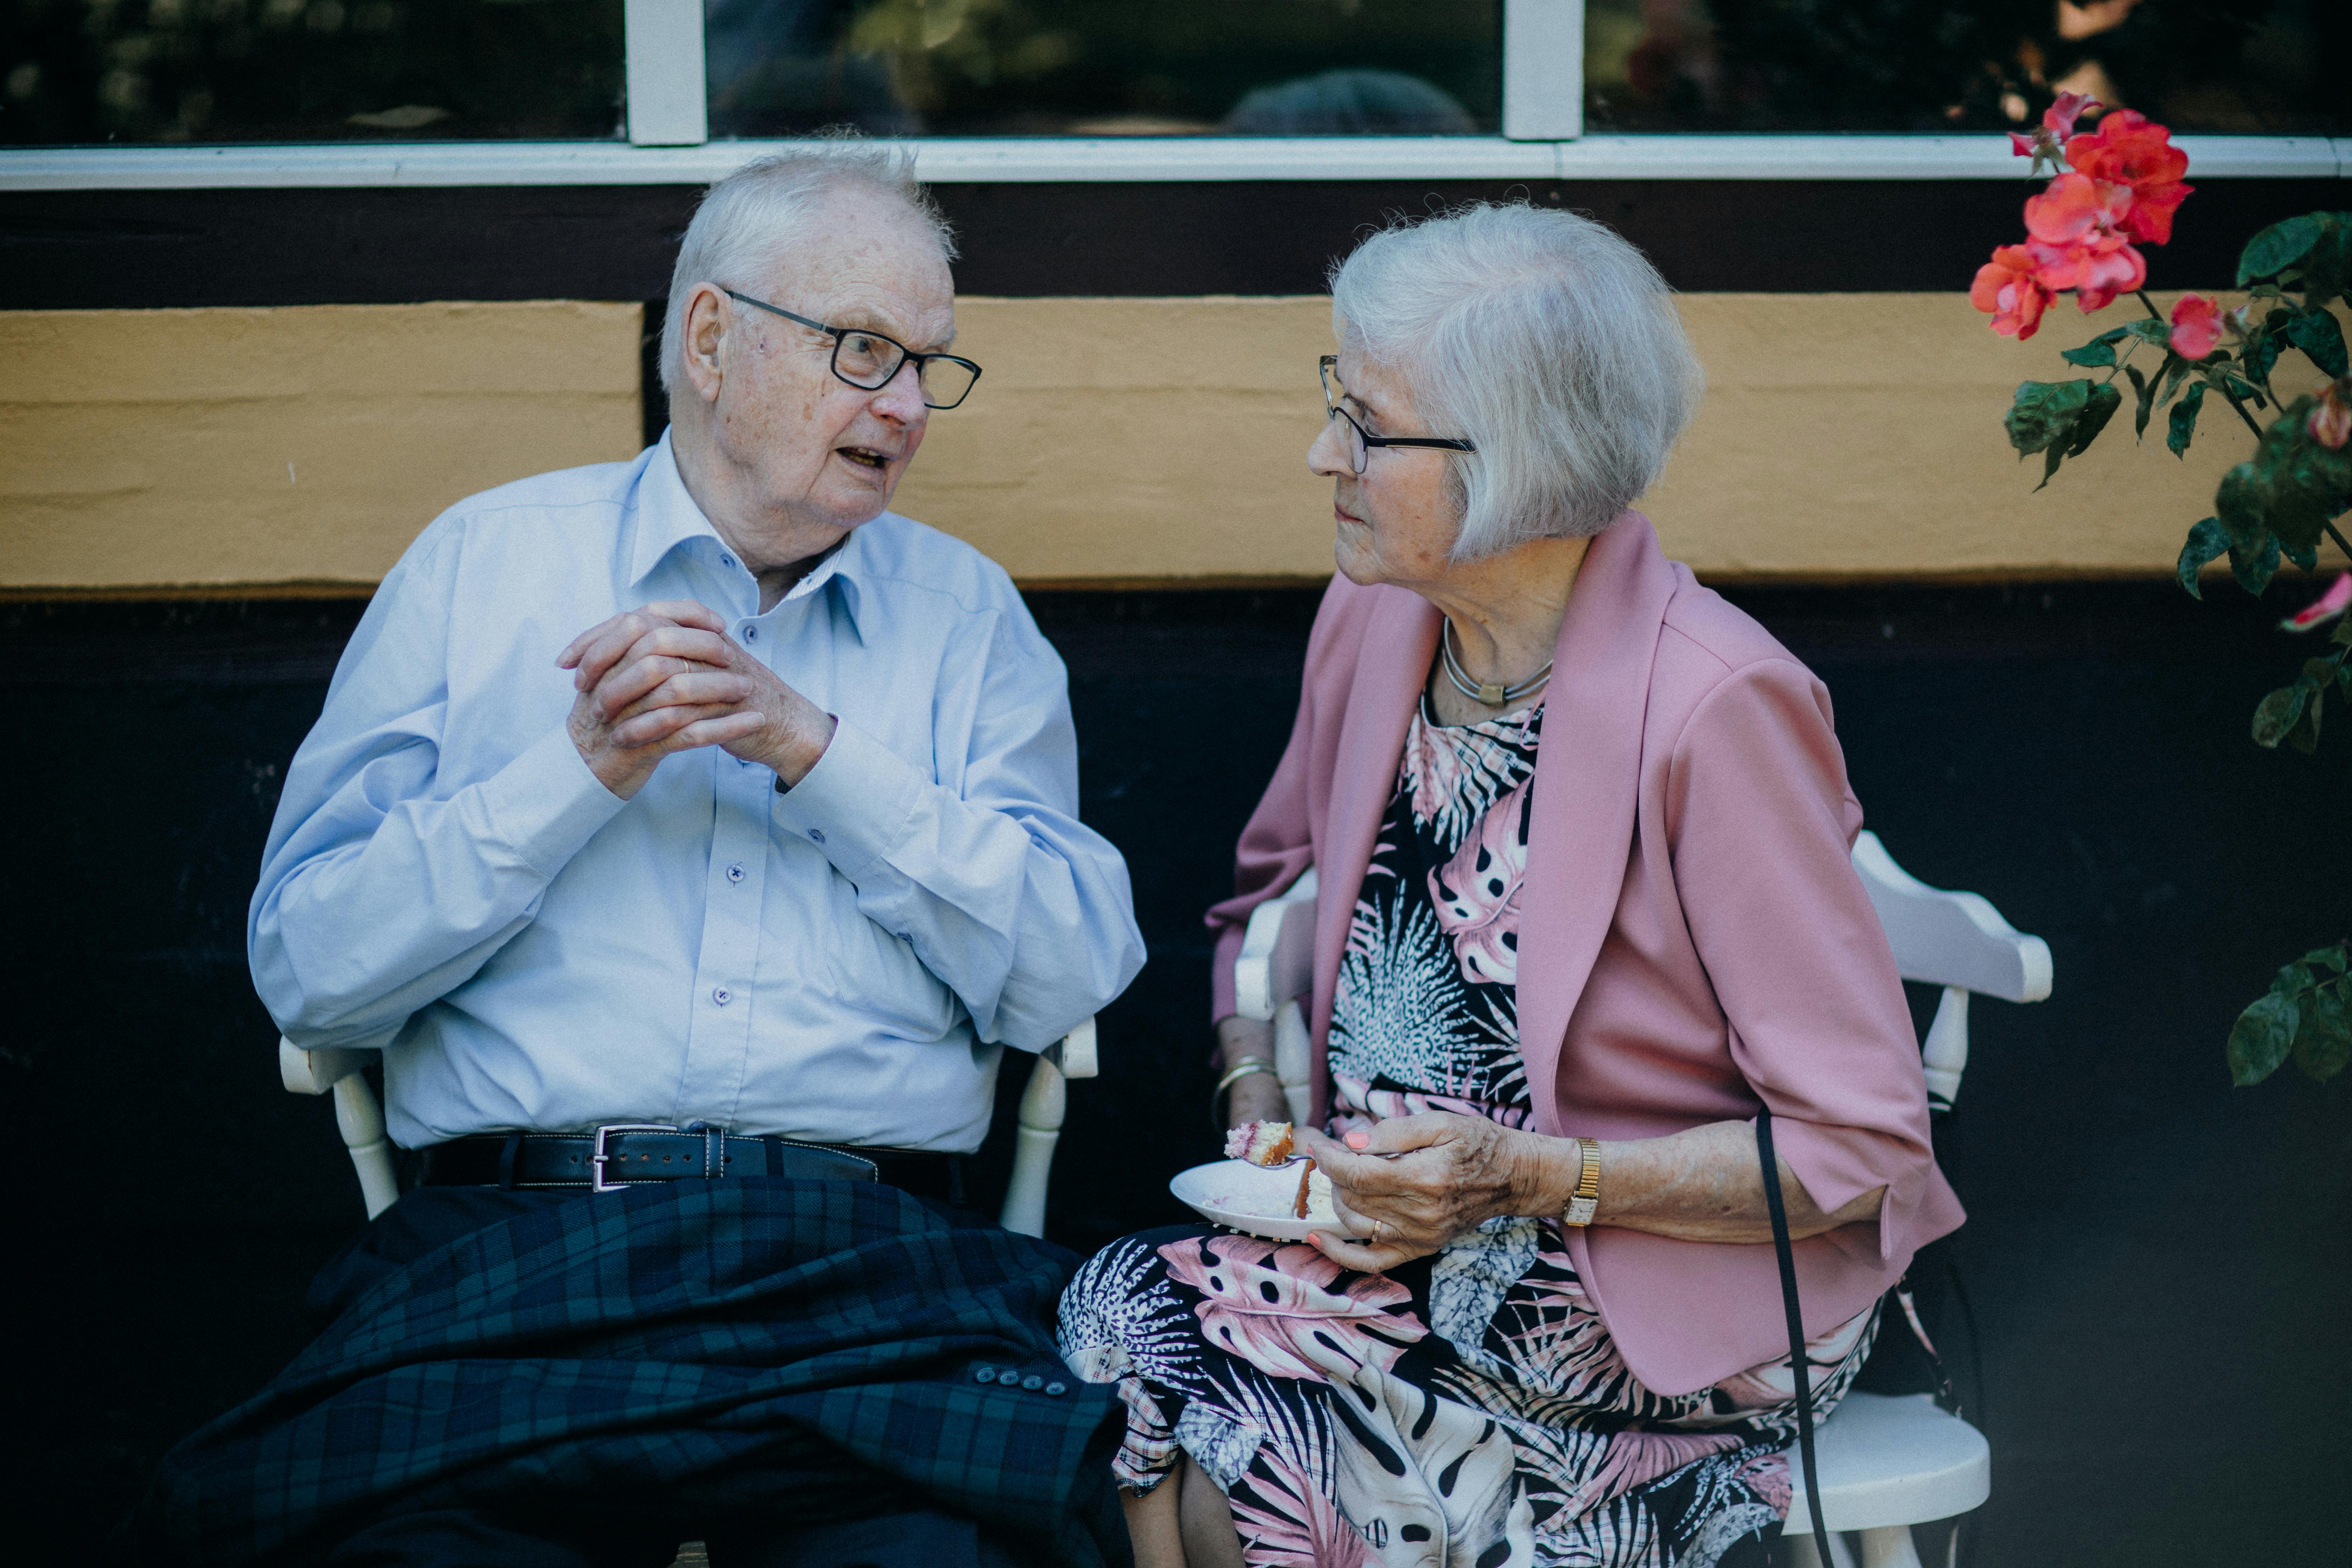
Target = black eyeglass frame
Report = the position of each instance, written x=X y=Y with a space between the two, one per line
x=1329 y=362
x=906 y=354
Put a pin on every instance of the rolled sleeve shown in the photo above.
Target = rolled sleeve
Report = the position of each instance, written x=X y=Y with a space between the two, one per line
x=1764 y=826
x=857 y=804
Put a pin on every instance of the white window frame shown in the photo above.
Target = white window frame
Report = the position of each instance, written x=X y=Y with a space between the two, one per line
x=1543 y=123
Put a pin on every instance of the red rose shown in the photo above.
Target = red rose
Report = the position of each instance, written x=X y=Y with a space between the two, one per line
x=2079 y=240
x=2196 y=326
x=2009 y=289
x=2130 y=150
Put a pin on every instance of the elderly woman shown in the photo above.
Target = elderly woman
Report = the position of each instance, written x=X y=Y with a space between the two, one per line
x=1582 y=831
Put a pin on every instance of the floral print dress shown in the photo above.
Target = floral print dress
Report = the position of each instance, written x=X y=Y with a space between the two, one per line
x=1468 y=1408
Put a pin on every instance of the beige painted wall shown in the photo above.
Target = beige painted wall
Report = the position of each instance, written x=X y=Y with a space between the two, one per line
x=1111 y=440
x=221 y=447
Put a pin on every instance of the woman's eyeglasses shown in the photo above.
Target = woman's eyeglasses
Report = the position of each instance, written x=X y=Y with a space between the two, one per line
x=1359 y=440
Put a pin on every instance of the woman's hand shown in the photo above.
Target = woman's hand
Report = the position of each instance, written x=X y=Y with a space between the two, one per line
x=1253 y=1097
x=1449 y=1173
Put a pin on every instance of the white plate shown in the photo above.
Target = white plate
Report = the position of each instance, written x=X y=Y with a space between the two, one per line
x=1211 y=1190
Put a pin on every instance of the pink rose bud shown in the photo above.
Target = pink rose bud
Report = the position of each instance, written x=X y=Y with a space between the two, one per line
x=2331 y=421
x=2059 y=117
x=2325 y=608
x=1358 y=1142
x=2196 y=327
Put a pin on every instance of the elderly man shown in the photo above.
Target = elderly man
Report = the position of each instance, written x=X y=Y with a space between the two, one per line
x=692 y=834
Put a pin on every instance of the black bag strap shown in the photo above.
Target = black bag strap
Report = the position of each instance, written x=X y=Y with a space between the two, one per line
x=1799 y=1365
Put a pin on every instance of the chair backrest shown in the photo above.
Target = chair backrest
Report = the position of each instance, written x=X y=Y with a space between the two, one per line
x=1957 y=941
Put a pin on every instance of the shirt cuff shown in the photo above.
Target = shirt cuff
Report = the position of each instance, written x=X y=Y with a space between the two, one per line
x=855 y=804
x=546 y=804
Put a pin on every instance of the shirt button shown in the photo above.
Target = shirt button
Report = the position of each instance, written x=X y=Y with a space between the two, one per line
x=750 y=634
x=984 y=1374
x=720 y=994
x=1008 y=1377
x=735 y=872
x=1033 y=1382
x=817 y=834
x=1055 y=1390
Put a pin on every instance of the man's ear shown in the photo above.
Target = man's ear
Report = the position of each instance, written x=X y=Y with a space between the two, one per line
x=702 y=344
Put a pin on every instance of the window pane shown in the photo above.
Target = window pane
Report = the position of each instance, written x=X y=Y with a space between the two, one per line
x=308 y=70
x=1104 y=68
x=2270 y=67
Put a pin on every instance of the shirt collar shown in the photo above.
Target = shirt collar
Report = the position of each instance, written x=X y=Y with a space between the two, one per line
x=668 y=517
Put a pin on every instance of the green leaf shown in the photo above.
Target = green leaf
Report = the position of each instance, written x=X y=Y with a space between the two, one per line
x=2304 y=556
x=2334 y=958
x=2183 y=422
x=2260 y=1038
x=2146 y=390
x=2316 y=333
x=2255 y=564
x=2176 y=370
x=2264 y=291
x=2042 y=413
x=2091 y=354
x=2323 y=1043
x=2206 y=540
x=2101 y=407
x=2246 y=391
x=2304 y=736
x=2278 y=713
x=2151 y=330
x=2281 y=245
x=2262 y=354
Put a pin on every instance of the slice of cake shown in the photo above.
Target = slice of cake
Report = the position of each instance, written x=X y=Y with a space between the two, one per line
x=1260 y=1143
x=1314 y=1200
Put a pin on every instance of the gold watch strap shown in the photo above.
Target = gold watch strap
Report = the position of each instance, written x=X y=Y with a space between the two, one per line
x=1587 y=1196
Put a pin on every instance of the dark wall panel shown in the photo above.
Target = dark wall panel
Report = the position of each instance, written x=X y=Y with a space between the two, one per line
x=2157 y=1262
x=132 y=249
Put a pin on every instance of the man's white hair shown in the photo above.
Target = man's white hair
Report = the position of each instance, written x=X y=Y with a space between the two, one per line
x=750 y=218
x=1544 y=337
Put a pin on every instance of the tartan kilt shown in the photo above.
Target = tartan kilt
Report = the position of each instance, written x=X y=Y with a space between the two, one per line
x=728 y=1349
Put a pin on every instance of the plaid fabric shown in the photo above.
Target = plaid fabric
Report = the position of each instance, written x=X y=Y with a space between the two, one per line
x=762 y=1348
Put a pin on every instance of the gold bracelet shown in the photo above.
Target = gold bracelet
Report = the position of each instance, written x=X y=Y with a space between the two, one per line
x=1234 y=1075
x=1587 y=1196
x=1240 y=1070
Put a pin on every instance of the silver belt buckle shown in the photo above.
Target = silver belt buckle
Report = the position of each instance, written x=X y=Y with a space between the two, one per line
x=596 y=1159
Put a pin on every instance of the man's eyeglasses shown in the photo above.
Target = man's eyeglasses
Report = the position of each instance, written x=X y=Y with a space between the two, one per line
x=867 y=360
x=1359 y=440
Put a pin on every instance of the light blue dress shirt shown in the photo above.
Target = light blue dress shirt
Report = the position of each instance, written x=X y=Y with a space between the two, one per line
x=843 y=963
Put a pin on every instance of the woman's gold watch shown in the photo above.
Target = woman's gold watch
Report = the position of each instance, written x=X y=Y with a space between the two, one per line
x=1587 y=1196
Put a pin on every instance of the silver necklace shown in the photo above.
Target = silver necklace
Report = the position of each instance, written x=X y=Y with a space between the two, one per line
x=1488 y=694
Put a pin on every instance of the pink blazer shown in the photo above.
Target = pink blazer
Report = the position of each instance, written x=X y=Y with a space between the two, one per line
x=1693 y=939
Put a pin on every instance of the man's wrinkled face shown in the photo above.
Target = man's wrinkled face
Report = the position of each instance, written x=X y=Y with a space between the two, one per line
x=815 y=448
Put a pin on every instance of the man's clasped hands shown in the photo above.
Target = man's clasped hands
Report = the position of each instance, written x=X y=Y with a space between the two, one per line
x=666 y=678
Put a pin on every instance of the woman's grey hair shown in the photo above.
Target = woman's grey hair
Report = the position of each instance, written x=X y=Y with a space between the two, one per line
x=1544 y=337
x=747 y=219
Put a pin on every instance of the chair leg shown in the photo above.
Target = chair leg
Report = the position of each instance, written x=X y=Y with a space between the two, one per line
x=1803 y=1556
x=1042 y=1105
x=360 y=1121
x=1890 y=1547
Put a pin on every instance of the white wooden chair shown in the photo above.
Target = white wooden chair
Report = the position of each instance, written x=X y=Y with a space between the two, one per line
x=1887 y=1462
x=1042 y=1105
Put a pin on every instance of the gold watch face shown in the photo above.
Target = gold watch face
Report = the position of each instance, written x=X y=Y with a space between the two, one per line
x=1579 y=1211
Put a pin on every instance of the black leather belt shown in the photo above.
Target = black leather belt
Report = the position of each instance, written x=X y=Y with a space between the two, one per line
x=628 y=1155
